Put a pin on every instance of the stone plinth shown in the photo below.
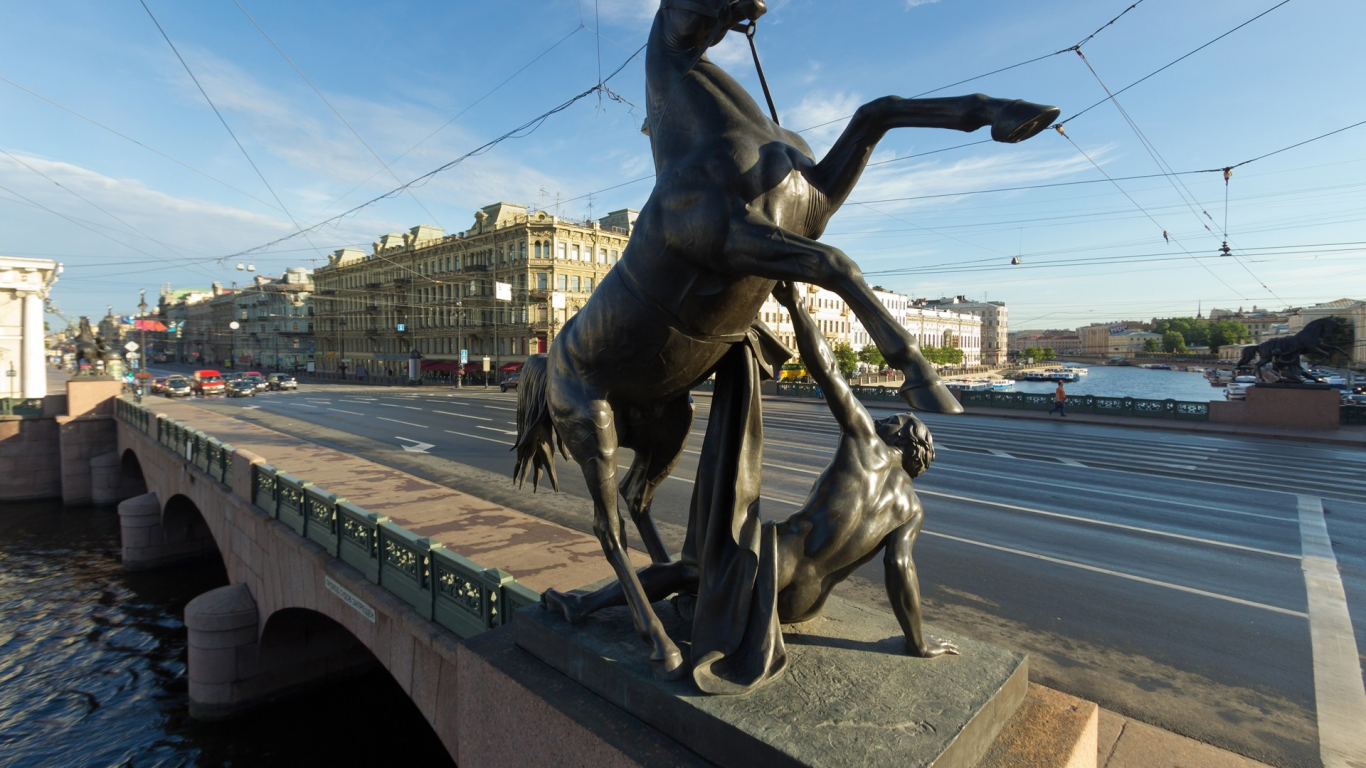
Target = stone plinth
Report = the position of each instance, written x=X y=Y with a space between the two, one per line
x=106 y=479
x=1281 y=406
x=30 y=458
x=850 y=697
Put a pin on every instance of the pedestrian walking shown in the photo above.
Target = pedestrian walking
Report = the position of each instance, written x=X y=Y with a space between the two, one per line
x=1059 y=400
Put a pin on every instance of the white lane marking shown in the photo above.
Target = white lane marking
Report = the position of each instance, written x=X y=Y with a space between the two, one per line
x=357 y=402
x=390 y=405
x=417 y=445
x=353 y=413
x=316 y=400
x=1119 y=574
x=1061 y=515
x=1339 y=696
x=298 y=405
x=496 y=429
x=500 y=408
x=1072 y=462
x=1108 y=524
x=1126 y=494
x=412 y=407
x=479 y=437
x=692 y=482
x=1002 y=454
x=463 y=415
x=405 y=423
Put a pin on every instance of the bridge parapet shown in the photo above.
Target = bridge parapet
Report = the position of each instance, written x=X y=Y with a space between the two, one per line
x=441 y=585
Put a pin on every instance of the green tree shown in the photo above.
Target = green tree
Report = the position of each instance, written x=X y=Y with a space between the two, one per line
x=1172 y=341
x=1152 y=345
x=1047 y=353
x=1223 y=333
x=846 y=358
x=1033 y=353
x=953 y=355
x=872 y=356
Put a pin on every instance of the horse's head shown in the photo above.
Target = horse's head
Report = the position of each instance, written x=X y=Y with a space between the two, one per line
x=692 y=24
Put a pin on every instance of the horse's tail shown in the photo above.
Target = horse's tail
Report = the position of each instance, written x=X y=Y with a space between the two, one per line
x=1249 y=352
x=536 y=435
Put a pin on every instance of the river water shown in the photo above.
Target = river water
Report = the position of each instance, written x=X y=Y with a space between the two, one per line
x=92 y=667
x=1130 y=381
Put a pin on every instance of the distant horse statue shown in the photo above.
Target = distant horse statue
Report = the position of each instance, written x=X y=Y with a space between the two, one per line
x=1283 y=352
x=89 y=347
x=736 y=207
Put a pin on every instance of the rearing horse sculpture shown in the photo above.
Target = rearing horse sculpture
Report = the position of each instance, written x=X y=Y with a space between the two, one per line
x=738 y=204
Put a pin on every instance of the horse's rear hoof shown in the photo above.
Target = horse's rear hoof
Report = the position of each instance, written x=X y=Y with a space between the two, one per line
x=930 y=397
x=669 y=668
x=1020 y=120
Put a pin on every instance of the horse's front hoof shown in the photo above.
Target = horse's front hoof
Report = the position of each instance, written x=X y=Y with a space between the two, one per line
x=669 y=665
x=1020 y=120
x=930 y=397
x=558 y=602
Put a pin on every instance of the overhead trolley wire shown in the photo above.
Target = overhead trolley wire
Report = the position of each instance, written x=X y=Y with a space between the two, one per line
x=126 y=137
x=338 y=115
x=521 y=131
x=221 y=119
x=1175 y=61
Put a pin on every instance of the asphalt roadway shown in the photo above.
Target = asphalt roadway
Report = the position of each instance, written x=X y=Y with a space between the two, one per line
x=1156 y=573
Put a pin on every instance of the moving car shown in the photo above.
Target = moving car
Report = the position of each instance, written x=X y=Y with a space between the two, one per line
x=159 y=384
x=241 y=388
x=207 y=382
x=281 y=381
x=257 y=380
x=177 y=386
x=510 y=382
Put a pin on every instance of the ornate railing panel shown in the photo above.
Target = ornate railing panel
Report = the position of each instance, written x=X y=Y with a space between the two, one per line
x=467 y=598
x=290 y=492
x=358 y=533
x=320 y=514
x=265 y=489
x=405 y=566
x=1136 y=407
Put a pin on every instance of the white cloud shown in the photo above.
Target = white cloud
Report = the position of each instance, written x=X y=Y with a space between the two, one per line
x=826 y=110
x=917 y=3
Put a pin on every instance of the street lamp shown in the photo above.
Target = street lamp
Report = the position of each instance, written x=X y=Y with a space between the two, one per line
x=142 y=317
x=232 y=343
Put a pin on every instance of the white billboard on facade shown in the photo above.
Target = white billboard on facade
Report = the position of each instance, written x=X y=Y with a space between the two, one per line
x=557 y=300
x=502 y=291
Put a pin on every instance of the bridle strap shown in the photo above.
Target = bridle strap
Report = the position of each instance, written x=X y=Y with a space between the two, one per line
x=750 y=29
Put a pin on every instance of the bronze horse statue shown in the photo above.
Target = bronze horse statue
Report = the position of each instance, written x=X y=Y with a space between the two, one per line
x=89 y=347
x=1283 y=352
x=737 y=206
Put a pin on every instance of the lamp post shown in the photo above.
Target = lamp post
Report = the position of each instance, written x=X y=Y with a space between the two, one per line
x=142 y=317
x=232 y=342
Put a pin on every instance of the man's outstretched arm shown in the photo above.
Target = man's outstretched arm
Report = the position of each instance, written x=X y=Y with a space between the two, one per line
x=821 y=364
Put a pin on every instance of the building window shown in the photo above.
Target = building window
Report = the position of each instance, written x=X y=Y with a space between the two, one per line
x=561 y=283
x=560 y=250
x=541 y=281
x=574 y=284
x=574 y=253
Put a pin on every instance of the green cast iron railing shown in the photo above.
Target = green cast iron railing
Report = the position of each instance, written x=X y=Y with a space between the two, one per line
x=452 y=590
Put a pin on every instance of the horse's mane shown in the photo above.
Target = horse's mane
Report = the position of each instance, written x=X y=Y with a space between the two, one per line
x=1318 y=329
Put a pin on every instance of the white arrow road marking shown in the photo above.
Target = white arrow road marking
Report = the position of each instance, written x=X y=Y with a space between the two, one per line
x=418 y=447
x=250 y=407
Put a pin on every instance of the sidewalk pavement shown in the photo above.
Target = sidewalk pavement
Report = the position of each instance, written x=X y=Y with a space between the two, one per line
x=542 y=554
x=539 y=553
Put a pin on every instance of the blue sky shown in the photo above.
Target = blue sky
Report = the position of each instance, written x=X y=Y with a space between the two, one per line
x=422 y=83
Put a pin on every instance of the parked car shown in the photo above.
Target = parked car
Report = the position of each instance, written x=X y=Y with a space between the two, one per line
x=241 y=388
x=1237 y=389
x=510 y=382
x=177 y=386
x=281 y=381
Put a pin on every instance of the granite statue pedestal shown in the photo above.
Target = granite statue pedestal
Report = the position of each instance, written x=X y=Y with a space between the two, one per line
x=849 y=697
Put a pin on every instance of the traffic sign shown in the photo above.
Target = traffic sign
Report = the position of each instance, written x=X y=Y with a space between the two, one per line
x=131 y=346
x=487 y=364
x=464 y=356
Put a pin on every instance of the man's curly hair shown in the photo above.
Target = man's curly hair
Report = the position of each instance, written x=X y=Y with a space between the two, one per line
x=908 y=434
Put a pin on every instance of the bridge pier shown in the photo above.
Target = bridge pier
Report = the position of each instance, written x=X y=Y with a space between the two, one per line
x=151 y=539
x=233 y=666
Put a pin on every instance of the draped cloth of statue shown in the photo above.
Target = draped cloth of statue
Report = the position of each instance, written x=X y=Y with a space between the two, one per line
x=737 y=645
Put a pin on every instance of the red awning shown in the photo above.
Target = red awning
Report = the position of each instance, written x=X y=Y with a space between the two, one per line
x=506 y=367
x=437 y=366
